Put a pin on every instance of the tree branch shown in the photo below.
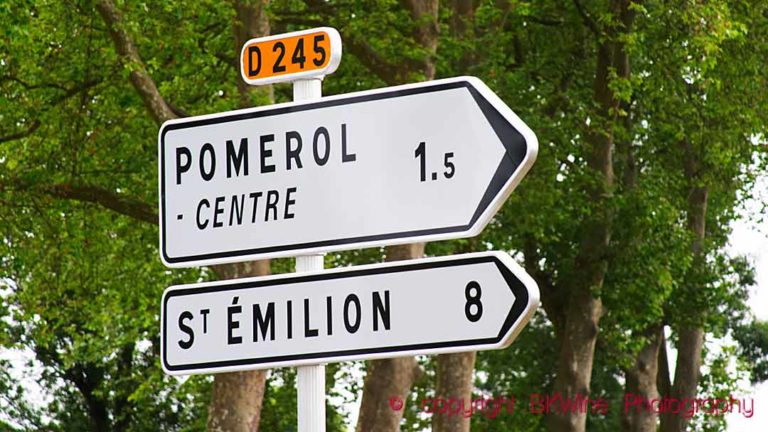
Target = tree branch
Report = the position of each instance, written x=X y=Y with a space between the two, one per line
x=551 y=297
x=36 y=123
x=119 y=203
x=21 y=134
x=390 y=73
x=125 y=205
x=549 y=22
x=29 y=86
x=177 y=111
x=588 y=21
x=126 y=49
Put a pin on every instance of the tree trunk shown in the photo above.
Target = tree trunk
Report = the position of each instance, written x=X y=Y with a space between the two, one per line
x=662 y=377
x=583 y=306
x=387 y=383
x=123 y=406
x=236 y=398
x=576 y=356
x=641 y=386
x=690 y=342
x=583 y=310
x=389 y=380
x=463 y=17
x=87 y=381
x=236 y=401
x=251 y=21
x=424 y=16
x=454 y=382
x=462 y=27
x=690 y=335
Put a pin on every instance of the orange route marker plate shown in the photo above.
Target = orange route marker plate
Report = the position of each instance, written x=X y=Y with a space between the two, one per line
x=290 y=56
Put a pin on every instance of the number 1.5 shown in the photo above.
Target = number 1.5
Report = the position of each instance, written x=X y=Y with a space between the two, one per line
x=421 y=154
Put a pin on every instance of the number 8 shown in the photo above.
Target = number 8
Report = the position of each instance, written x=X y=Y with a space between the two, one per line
x=473 y=293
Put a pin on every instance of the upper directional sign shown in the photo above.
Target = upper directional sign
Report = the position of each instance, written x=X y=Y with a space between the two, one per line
x=419 y=162
x=481 y=301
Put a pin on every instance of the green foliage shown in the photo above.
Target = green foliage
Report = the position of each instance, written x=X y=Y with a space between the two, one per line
x=14 y=406
x=414 y=417
x=279 y=406
x=523 y=372
x=753 y=348
x=82 y=283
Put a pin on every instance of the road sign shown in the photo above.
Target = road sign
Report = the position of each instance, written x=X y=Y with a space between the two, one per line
x=290 y=56
x=420 y=162
x=429 y=306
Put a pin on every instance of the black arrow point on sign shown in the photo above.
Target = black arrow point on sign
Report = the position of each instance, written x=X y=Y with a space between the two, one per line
x=522 y=299
x=514 y=143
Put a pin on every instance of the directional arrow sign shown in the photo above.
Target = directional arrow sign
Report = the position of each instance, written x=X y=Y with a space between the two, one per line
x=418 y=162
x=474 y=302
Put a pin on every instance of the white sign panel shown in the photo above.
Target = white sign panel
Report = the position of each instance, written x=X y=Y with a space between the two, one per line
x=419 y=162
x=474 y=302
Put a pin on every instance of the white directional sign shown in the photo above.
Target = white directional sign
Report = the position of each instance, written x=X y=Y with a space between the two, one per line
x=419 y=162
x=438 y=305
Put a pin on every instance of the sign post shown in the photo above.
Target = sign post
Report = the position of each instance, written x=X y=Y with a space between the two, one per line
x=310 y=380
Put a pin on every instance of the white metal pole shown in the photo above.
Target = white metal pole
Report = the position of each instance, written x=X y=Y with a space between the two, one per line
x=311 y=379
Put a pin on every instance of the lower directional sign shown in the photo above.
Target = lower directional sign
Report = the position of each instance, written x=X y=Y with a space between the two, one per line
x=437 y=305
